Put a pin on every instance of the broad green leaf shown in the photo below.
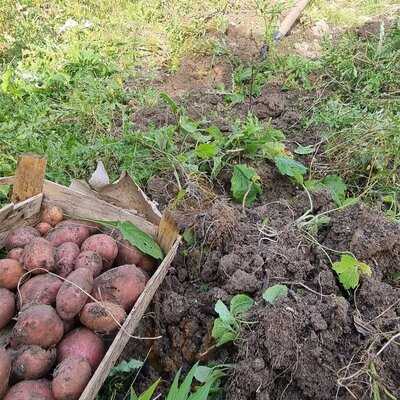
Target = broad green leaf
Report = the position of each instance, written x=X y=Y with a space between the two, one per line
x=223 y=312
x=243 y=74
x=203 y=391
x=215 y=133
x=126 y=367
x=144 y=242
x=274 y=293
x=349 y=270
x=273 y=149
x=235 y=98
x=245 y=183
x=240 y=304
x=304 y=150
x=171 y=103
x=221 y=328
x=206 y=151
x=313 y=185
x=337 y=188
x=187 y=124
x=188 y=236
x=226 y=338
x=203 y=373
x=288 y=166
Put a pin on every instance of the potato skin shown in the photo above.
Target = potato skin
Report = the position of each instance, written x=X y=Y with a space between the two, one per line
x=81 y=342
x=44 y=228
x=30 y=390
x=5 y=370
x=66 y=254
x=97 y=317
x=52 y=215
x=121 y=285
x=91 y=226
x=16 y=254
x=70 y=378
x=37 y=325
x=90 y=260
x=104 y=245
x=70 y=299
x=68 y=233
x=11 y=272
x=39 y=253
x=7 y=307
x=41 y=289
x=20 y=237
x=33 y=362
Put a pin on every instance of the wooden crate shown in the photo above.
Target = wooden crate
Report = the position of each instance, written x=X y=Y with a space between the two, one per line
x=87 y=204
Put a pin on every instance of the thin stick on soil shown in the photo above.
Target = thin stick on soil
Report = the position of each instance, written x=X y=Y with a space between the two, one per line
x=387 y=344
x=87 y=294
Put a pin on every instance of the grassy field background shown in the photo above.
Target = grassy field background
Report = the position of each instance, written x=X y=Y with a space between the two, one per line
x=63 y=65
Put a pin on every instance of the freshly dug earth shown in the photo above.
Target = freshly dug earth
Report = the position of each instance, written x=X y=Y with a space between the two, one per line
x=307 y=345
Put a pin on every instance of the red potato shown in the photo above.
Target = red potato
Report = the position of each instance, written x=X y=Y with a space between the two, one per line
x=16 y=254
x=11 y=272
x=121 y=285
x=70 y=378
x=41 y=289
x=72 y=295
x=66 y=254
x=69 y=324
x=44 y=228
x=38 y=324
x=81 y=342
x=102 y=317
x=103 y=245
x=91 y=261
x=30 y=390
x=129 y=254
x=5 y=370
x=33 y=362
x=39 y=253
x=68 y=233
x=92 y=226
x=52 y=215
x=7 y=307
x=20 y=237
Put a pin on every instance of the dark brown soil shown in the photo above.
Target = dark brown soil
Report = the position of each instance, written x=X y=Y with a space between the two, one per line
x=320 y=342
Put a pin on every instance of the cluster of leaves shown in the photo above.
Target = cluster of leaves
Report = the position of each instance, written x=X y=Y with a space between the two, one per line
x=226 y=328
x=122 y=377
x=349 y=270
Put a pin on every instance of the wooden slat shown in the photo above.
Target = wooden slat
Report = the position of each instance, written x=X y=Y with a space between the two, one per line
x=130 y=325
x=79 y=205
x=7 y=180
x=29 y=177
x=167 y=232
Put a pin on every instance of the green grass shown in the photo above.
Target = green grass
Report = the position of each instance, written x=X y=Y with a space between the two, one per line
x=360 y=118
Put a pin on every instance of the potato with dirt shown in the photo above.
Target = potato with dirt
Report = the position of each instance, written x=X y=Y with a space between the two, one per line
x=32 y=362
x=5 y=370
x=104 y=245
x=91 y=226
x=91 y=261
x=52 y=215
x=66 y=254
x=70 y=378
x=121 y=285
x=73 y=293
x=20 y=237
x=39 y=256
x=30 y=390
x=44 y=228
x=102 y=317
x=81 y=342
x=129 y=254
x=41 y=289
x=11 y=271
x=7 y=307
x=16 y=254
x=68 y=233
x=37 y=325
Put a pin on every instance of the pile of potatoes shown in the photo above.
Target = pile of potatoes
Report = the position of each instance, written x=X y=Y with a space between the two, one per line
x=66 y=284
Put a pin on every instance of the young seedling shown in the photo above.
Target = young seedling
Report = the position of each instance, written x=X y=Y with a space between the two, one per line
x=349 y=270
x=227 y=327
